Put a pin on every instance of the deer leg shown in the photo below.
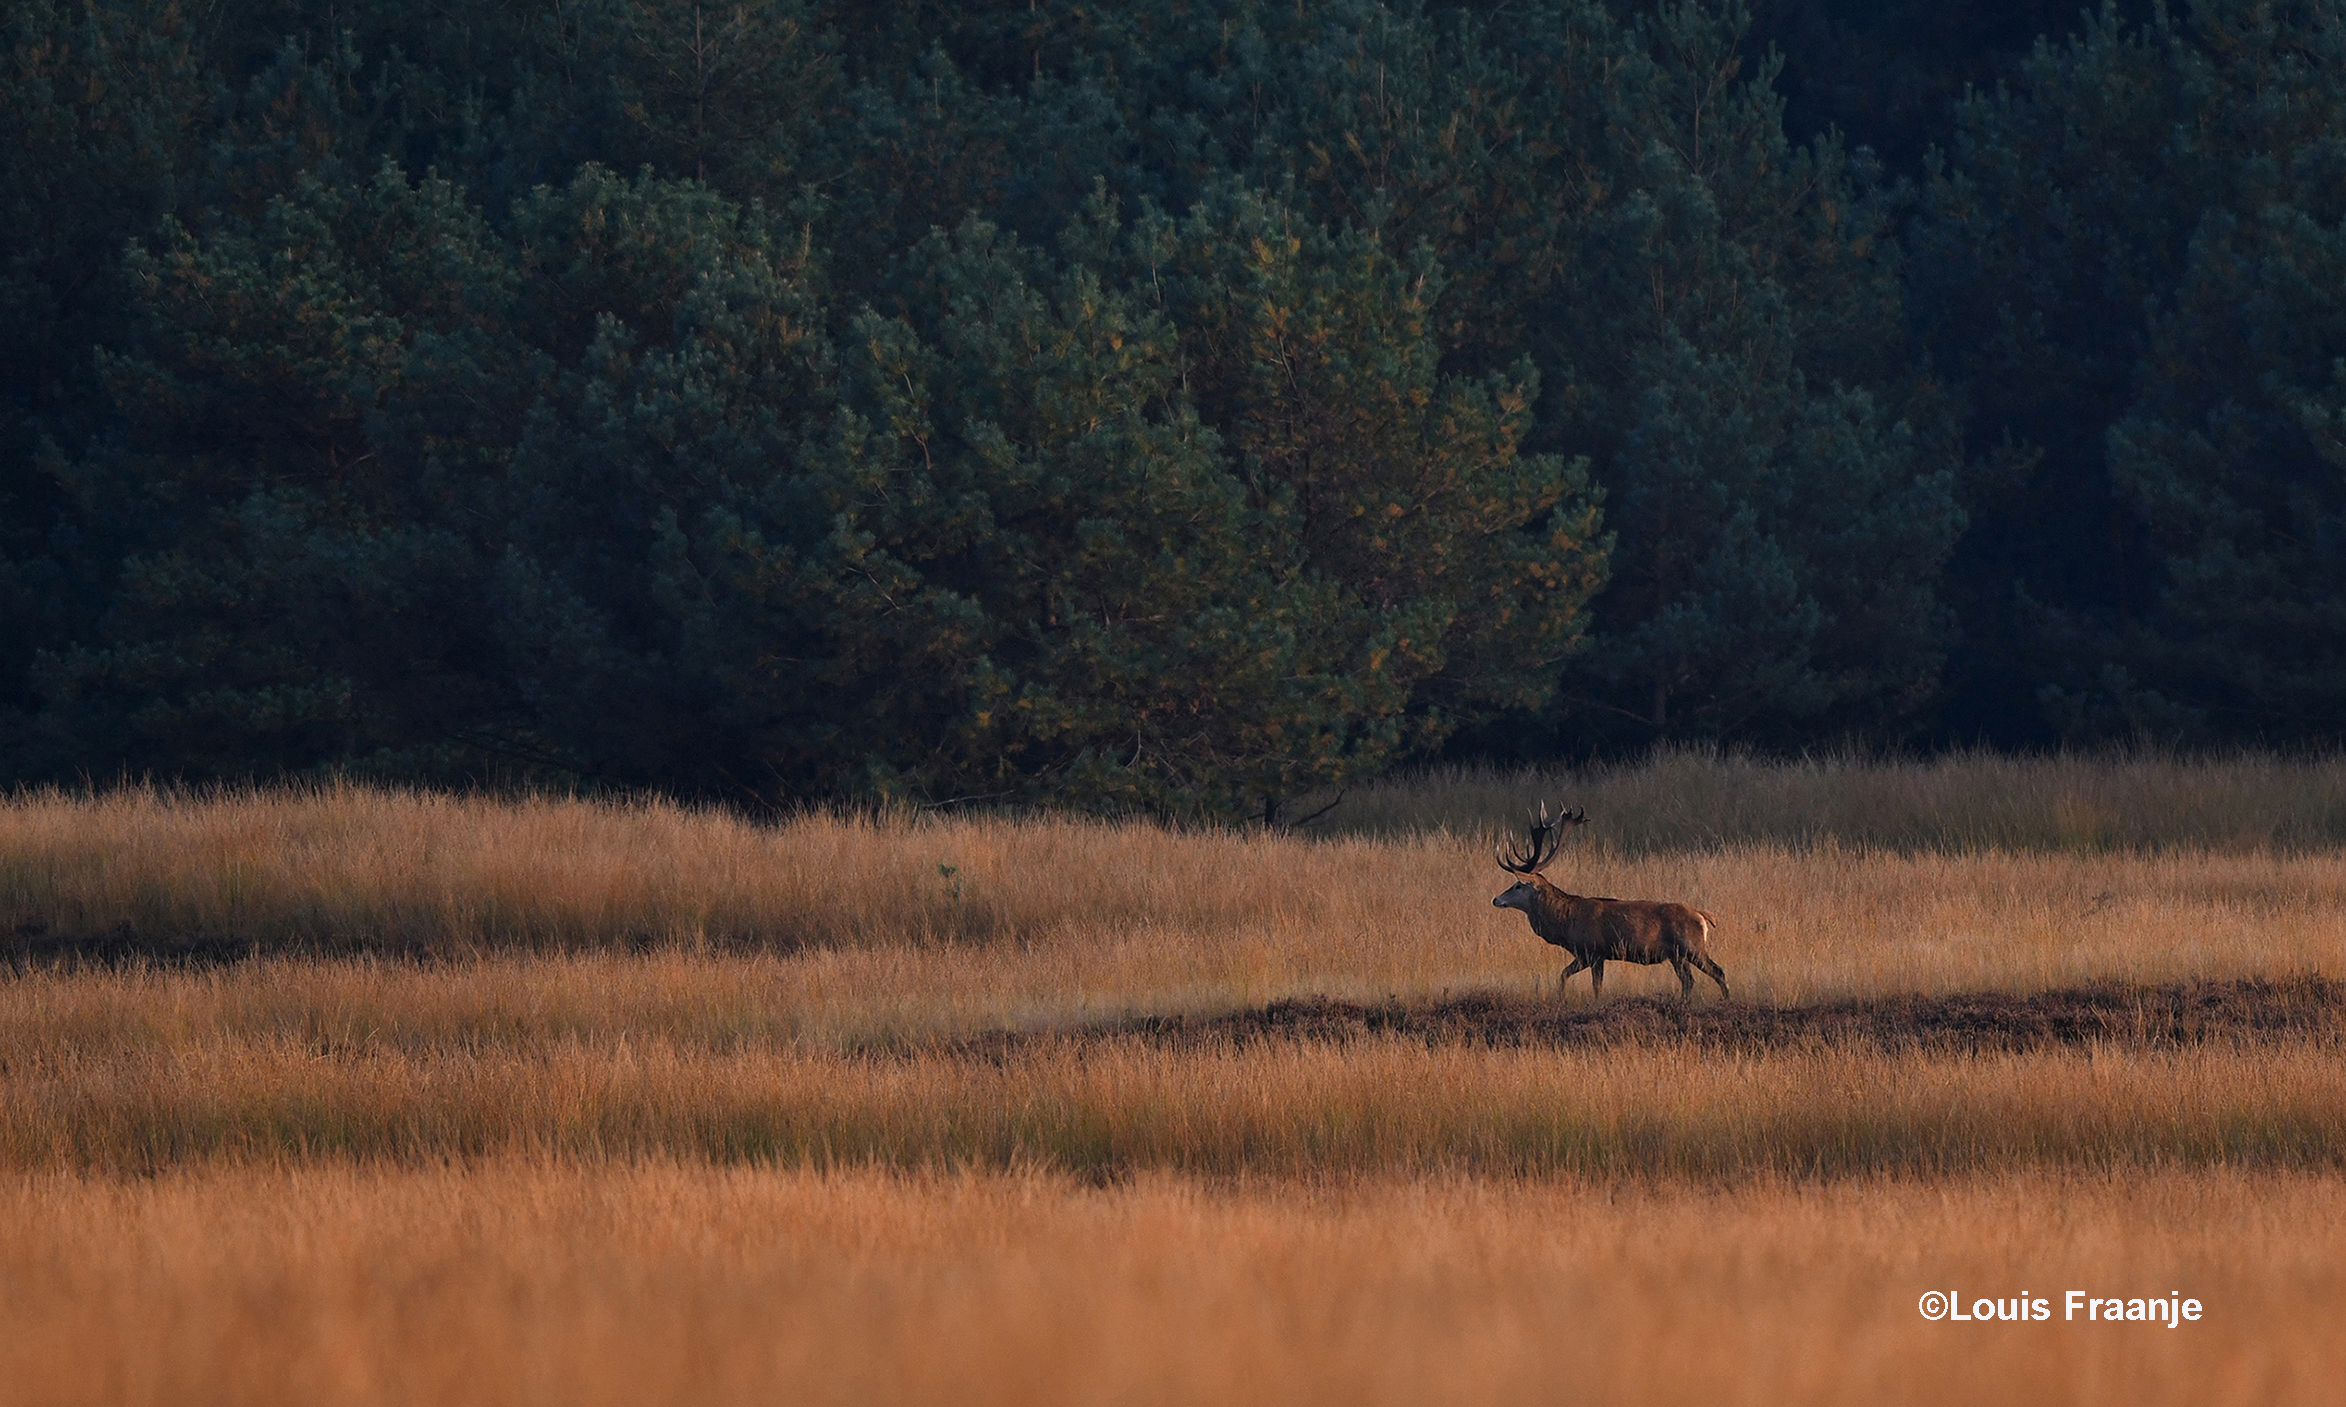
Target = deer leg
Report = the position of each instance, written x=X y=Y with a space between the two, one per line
x=1717 y=975
x=1596 y=978
x=1577 y=965
x=1685 y=979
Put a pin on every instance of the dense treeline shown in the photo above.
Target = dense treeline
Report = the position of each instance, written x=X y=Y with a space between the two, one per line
x=1164 y=403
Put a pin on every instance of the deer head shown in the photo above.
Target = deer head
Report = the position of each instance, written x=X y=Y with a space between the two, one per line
x=1529 y=860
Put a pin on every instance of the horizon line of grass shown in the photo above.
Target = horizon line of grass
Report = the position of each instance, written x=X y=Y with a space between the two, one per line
x=1107 y=1109
x=1676 y=796
x=974 y=918
x=1965 y=801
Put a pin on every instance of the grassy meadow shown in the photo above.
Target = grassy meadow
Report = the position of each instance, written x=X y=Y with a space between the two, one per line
x=654 y=1282
x=461 y=1100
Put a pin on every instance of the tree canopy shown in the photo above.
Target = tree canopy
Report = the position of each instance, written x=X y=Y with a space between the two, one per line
x=1165 y=404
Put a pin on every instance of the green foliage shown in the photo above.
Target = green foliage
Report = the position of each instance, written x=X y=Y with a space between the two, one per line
x=1154 y=404
x=1782 y=528
x=690 y=363
x=2142 y=251
x=102 y=108
x=289 y=481
x=1098 y=595
x=1885 y=72
x=1466 y=562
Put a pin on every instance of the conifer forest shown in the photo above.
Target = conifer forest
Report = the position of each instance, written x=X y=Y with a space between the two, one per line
x=1159 y=406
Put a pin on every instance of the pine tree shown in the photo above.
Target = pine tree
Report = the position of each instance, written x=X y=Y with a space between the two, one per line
x=295 y=582
x=2142 y=238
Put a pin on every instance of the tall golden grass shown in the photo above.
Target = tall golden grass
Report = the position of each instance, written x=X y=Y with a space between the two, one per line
x=1381 y=1107
x=849 y=927
x=560 y=1101
x=525 y=1283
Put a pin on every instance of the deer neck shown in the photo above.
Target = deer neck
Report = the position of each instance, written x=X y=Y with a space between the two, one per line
x=1554 y=896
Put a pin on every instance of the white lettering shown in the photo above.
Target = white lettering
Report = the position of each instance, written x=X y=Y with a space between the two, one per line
x=2170 y=1309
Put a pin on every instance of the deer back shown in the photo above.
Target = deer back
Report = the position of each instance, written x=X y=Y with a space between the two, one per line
x=1624 y=930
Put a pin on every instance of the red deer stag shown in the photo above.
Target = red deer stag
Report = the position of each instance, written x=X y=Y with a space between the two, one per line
x=1596 y=931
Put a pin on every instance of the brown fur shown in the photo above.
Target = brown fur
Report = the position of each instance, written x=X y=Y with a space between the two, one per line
x=1598 y=931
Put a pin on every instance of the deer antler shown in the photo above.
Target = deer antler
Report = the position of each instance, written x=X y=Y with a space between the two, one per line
x=1531 y=859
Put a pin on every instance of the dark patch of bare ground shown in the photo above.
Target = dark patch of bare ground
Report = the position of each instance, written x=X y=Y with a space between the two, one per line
x=33 y=947
x=2248 y=1011
x=29 y=947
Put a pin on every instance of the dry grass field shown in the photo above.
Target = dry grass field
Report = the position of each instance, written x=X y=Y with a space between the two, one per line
x=850 y=928
x=649 y=1283
x=344 y=1095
